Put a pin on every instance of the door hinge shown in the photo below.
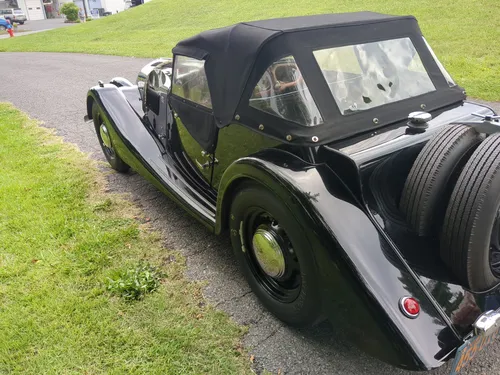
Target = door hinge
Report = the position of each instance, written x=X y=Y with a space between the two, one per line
x=212 y=160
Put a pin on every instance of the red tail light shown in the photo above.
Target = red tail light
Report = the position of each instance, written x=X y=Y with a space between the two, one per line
x=409 y=307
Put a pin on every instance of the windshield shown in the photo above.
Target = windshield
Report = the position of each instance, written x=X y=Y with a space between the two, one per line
x=369 y=75
x=190 y=80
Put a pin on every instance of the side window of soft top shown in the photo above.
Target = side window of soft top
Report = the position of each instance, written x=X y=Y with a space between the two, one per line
x=190 y=81
x=282 y=92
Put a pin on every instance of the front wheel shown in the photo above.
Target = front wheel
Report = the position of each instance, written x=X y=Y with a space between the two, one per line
x=105 y=141
x=275 y=256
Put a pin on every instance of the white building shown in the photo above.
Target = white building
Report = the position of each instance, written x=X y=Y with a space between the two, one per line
x=34 y=9
x=41 y=9
x=113 y=6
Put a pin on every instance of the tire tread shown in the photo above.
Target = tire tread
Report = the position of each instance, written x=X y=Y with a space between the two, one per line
x=465 y=204
x=431 y=171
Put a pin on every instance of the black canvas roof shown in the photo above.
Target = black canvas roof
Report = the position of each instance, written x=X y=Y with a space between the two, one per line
x=230 y=52
x=236 y=57
x=322 y=20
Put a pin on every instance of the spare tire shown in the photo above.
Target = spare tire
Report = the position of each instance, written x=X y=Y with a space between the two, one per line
x=431 y=178
x=470 y=238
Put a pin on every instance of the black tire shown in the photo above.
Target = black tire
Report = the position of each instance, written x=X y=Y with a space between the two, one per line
x=470 y=239
x=296 y=305
x=109 y=152
x=2 y=28
x=21 y=23
x=432 y=176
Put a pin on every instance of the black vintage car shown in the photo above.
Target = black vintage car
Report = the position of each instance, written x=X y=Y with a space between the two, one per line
x=355 y=181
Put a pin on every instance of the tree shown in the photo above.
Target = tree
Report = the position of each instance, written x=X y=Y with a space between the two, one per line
x=70 y=10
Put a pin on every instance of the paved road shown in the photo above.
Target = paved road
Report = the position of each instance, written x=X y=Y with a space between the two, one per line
x=52 y=88
x=52 y=23
x=31 y=27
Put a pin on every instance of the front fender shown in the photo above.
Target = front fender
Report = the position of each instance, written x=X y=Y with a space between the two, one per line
x=362 y=283
x=136 y=145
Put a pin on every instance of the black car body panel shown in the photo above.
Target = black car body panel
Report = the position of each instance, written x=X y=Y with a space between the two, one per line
x=368 y=284
x=343 y=190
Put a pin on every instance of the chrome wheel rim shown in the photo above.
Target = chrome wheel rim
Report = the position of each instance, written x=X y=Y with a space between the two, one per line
x=268 y=253
x=270 y=256
x=105 y=140
x=105 y=136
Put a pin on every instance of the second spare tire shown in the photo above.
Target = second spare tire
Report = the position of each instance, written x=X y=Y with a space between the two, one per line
x=470 y=238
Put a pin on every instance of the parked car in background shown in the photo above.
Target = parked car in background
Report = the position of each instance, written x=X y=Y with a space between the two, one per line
x=14 y=15
x=354 y=179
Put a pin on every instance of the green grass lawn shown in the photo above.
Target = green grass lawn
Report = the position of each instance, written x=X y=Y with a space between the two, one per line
x=463 y=33
x=61 y=239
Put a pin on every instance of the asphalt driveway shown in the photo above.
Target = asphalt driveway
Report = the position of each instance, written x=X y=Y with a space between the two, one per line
x=52 y=88
x=37 y=26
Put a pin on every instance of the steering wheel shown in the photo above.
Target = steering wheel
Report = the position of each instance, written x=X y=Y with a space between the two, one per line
x=274 y=82
x=288 y=69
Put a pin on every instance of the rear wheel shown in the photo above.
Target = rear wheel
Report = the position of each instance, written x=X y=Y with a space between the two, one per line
x=427 y=188
x=2 y=28
x=470 y=239
x=105 y=141
x=274 y=255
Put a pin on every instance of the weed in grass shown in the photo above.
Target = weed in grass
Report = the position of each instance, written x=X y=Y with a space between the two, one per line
x=134 y=283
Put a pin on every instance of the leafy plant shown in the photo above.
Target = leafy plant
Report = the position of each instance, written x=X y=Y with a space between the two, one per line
x=135 y=283
x=70 y=10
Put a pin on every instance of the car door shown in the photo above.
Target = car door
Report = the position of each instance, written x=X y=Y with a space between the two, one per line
x=281 y=93
x=194 y=133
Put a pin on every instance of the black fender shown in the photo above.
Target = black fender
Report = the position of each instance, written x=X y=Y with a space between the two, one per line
x=117 y=110
x=116 y=91
x=362 y=285
x=137 y=147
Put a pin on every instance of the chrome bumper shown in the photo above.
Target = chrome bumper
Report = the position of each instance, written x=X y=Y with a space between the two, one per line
x=487 y=323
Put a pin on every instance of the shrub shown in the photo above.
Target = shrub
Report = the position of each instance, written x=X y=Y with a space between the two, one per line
x=70 y=10
x=135 y=283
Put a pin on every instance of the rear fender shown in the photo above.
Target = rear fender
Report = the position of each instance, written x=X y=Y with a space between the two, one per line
x=362 y=285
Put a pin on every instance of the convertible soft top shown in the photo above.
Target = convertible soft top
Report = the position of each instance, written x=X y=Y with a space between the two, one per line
x=237 y=56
